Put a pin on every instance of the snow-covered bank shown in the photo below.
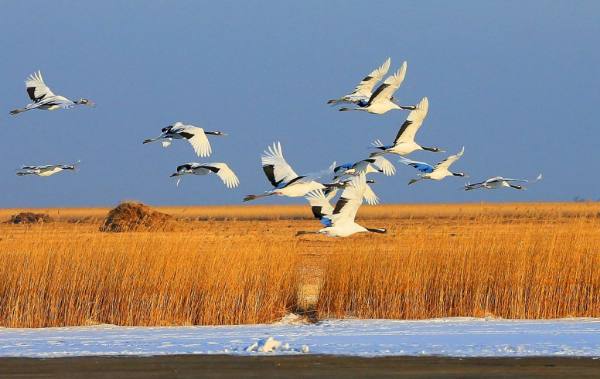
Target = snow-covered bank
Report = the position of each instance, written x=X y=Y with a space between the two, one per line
x=463 y=337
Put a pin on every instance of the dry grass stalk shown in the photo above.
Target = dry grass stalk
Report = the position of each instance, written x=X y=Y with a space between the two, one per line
x=510 y=260
x=143 y=281
x=524 y=274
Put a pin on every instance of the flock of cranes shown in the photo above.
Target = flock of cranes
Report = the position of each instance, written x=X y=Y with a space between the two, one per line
x=350 y=178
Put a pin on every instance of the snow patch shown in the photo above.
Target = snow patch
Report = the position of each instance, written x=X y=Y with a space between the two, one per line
x=267 y=345
x=459 y=337
x=271 y=345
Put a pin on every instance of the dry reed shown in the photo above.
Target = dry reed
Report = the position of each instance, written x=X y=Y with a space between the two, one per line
x=508 y=260
x=501 y=271
x=143 y=281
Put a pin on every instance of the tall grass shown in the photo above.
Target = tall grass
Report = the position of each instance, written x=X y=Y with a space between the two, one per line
x=143 y=281
x=525 y=273
x=507 y=260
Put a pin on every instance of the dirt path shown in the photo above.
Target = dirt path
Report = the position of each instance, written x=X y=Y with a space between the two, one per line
x=219 y=366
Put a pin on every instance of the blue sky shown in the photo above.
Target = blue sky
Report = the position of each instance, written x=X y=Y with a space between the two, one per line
x=516 y=82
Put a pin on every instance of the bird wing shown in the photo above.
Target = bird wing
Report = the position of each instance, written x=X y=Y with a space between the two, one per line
x=413 y=122
x=448 y=161
x=197 y=138
x=340 y=170
x=389 y=86
x=320 y=206
x=514 y=180
x=275 y=166
x=538 y=178
x=48 y=167
x=42 y=167
x=472 y=186
x=36 y=88
x=492 y=180
x=365 y=87
x=421 y=166
x=382 y=163
x=350 y=200
x=223 y=171
x=370 y=196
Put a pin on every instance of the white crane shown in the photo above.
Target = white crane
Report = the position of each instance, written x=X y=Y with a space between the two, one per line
x=194 y=135
x=501 y=182
x=46 y=170
x=43 y=97
x=283 y=178
x=222 y=170
x=382 y=100
x=404 y=143
x=363 y=90
x=339 y=221
x=437 y=172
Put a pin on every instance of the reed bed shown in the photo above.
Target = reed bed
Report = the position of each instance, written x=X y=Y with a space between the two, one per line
x=142 y=280
x=234 y=265
x=516 y=272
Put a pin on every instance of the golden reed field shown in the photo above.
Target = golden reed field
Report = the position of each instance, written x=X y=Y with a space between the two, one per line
x=244 y=264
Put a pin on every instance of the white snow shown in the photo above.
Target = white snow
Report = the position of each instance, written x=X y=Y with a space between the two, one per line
x=266 y=345
x=461 y=337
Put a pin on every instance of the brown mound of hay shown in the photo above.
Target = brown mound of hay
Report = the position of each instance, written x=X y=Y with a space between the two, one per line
x=29 y=218
x=130 y=217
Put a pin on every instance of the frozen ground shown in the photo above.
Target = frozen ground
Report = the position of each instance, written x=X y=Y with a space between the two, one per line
x=460 y=337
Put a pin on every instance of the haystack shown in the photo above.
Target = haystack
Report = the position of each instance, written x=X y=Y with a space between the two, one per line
x=29 y=218
x=132 y=216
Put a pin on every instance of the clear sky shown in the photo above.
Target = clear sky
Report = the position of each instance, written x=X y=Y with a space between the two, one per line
x=515 y=82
